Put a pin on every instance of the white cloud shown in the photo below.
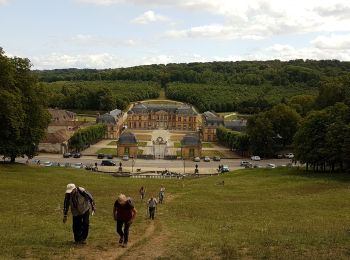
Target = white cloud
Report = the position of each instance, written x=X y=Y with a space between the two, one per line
x=93 y=40
x=2 y=2
x=333 y=42
x=149 y=17
x=60 y=60
x=255 y=18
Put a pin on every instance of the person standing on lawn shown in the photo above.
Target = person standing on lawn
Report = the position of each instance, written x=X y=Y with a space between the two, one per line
x=142 y=192
x=124 y=214
x=80 y=201
x=152 y=205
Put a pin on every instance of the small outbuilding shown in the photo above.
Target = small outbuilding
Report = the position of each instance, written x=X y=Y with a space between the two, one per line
x=191 y=146
x=127 y=145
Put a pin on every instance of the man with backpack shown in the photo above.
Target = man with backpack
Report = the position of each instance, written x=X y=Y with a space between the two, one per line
x=80 y=201
x=152 y=204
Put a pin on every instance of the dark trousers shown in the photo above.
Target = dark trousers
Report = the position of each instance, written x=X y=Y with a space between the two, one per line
x=151 y=210
x=81 y=226
x=124 y=234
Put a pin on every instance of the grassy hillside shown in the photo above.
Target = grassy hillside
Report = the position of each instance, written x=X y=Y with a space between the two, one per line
x=255 y=214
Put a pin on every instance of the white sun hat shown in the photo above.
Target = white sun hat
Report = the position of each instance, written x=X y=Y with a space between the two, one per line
x=70 y=188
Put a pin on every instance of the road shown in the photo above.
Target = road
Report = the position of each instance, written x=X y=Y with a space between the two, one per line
x=179 y=166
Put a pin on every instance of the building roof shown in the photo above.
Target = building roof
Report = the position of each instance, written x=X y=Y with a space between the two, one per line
x=191 y=140
x=106 y=119
x=59 y=136
x=237 y=125
x=212 y=118
x=116 y=113
x=127 y=138
x=140 y=108
x=61 y=115
x=109 y=118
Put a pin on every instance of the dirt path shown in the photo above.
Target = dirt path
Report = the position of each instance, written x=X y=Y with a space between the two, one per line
x=150 y=245
x=113 y=250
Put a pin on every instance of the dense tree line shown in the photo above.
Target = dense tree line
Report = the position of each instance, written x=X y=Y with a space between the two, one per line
x=274 y=72
x=272 y=130
x=319 y=132
x=243 y=86
x=235 y=140
x=99 y=95
x=84 y=137
x=240 y=98
x=23 y=113
x=323 y=140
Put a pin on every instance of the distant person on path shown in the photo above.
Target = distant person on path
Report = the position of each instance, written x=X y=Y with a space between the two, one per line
x=80 y=201
x=152 y=204
x=142 y=192
x=161 y=194
x=124 y=214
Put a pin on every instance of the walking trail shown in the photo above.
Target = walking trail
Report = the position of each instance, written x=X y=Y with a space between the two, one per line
x=142 y=248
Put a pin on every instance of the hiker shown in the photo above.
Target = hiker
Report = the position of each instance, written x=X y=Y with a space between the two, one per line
x=152 y=204
x=142 y=192
x=80 y=201
x=124 y=214
x=161 y=194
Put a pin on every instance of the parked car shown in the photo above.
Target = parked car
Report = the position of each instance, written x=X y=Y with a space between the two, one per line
x=289 y=155
x=47 y=164
x=217 y=158
x=279 y=156
x=245 y=163
x=76 y=155
x=67 y=155
x=100 y=156
x=109 y=156
x=78 y=165
x=255 y=158
x=107 y=163
x=196 y=159
x=67 y=164
x=271 y=165
x=225 y=168
x=125 y=158
x=206 y=159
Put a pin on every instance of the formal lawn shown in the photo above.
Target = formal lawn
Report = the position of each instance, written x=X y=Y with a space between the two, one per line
x=207 y=145
x=112 y=151
x=212 y=153
x=142 y=143
x=86 y=118
x=257 y=214
x=113 y=143
x=143 y=137
x=177 y=144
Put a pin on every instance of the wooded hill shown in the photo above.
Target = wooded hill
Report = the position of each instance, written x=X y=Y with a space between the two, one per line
x=244 y=86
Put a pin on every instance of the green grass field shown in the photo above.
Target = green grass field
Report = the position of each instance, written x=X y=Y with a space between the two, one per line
x=256 y=214
x=207 y=145
x=212 y=153
x=113 y=143
x=112 y=151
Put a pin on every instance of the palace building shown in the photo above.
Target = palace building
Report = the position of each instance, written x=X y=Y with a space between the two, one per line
x=162 y=116
x=211 y=121
x=114 y=122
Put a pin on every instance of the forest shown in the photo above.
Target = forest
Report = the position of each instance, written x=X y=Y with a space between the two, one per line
x=243 y=86
x=98 y=95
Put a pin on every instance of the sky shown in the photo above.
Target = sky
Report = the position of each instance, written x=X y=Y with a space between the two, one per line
x=100 y=34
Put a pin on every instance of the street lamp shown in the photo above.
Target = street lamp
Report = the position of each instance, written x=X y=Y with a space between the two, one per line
x=184 y=166
x=132 y=165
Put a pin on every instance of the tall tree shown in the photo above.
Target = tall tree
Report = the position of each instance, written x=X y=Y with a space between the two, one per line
x=23 y=111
